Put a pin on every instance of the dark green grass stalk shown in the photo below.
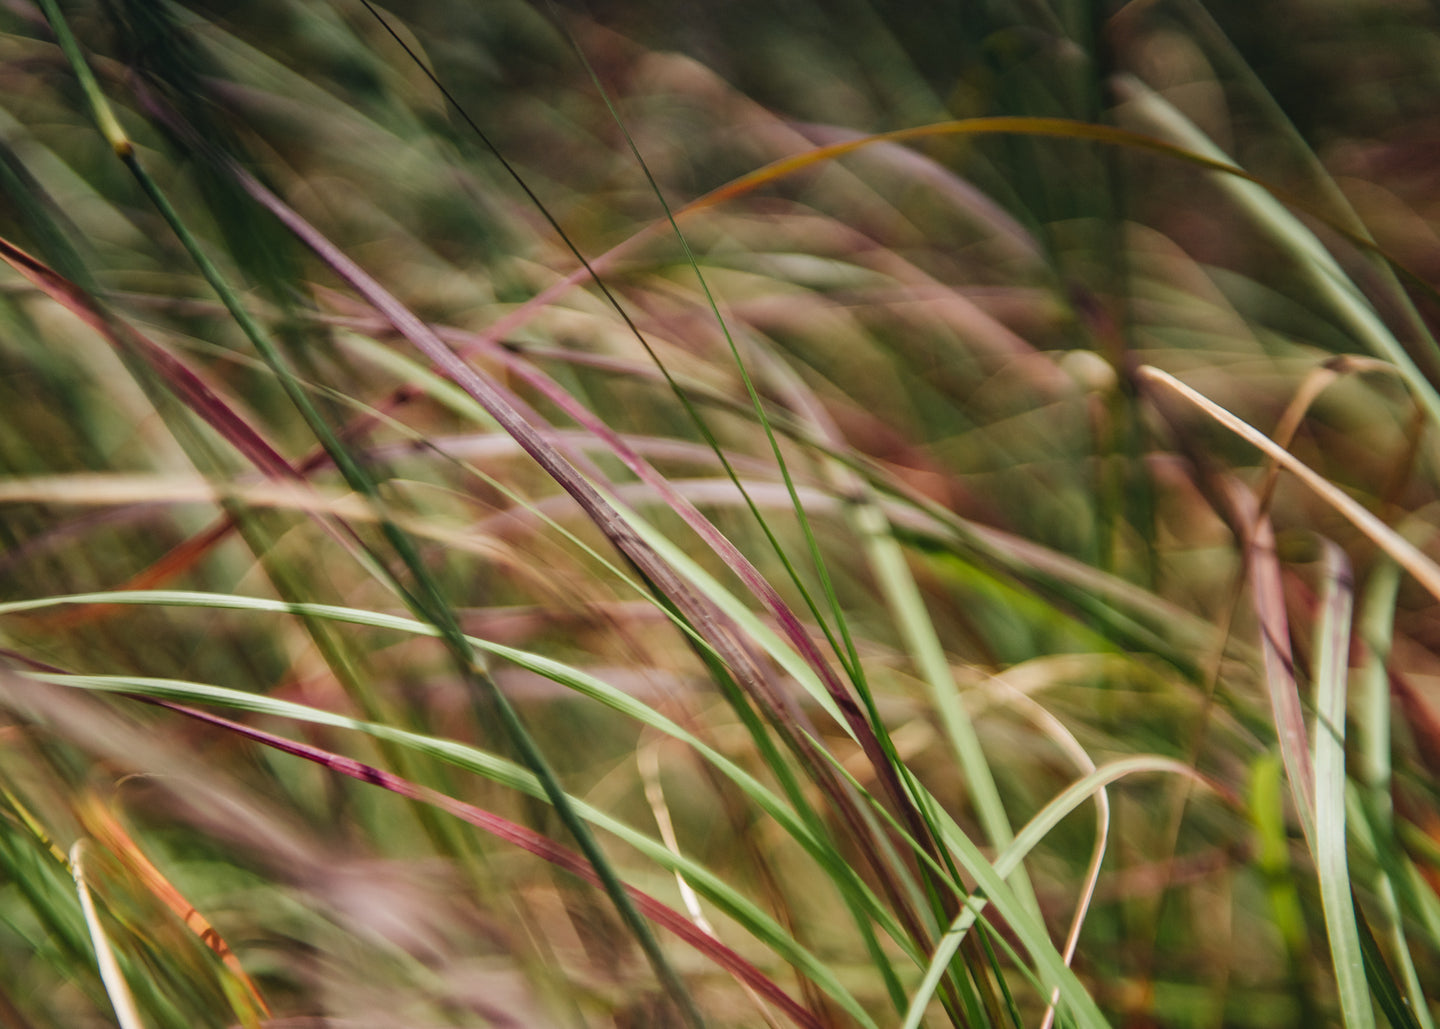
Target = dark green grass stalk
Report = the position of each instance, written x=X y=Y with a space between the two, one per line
x=870 y=734
x=737 y=656
x=429 y=603
x=888 y=765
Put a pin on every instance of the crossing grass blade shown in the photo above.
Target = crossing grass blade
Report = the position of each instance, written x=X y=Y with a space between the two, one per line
x=517 y=778
x=571 y=678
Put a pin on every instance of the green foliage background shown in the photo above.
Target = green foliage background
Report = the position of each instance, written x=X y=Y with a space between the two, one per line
x=640 y=514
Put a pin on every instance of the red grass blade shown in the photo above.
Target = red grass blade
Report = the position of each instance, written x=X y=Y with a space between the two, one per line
x=188 y=386
x=720 y=631
x=527 y=839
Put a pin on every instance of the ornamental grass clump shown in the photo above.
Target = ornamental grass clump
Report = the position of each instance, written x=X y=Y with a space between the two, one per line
x=521 y=516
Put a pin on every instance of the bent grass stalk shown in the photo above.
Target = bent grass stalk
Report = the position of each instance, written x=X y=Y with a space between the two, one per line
x=1402 y=551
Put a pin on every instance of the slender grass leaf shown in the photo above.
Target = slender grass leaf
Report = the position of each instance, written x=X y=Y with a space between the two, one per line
x=120 y=997
x=1332 y=667
x=515 y=777
x=1405 y=554
x=1052 y=972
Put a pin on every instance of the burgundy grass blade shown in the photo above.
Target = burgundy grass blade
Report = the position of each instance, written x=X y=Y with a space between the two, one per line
x=186 y=385
x=524 y=838
x=718 y=629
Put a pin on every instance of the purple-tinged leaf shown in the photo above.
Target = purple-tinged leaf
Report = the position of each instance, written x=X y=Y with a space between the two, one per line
x=1285 y=708
x=524 y=838
x=188 y=386
x=720 y=631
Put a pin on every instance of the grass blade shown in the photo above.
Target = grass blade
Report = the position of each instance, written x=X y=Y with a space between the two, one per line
x=1405 y=554
x=124 y=1003
x=164 y=692
x=1032 y=937
x=1332 y=667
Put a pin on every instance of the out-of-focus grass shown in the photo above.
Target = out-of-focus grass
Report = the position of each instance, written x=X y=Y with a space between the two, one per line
x=494 y=494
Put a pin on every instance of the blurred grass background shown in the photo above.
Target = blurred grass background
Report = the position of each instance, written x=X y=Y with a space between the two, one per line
x=953 y=545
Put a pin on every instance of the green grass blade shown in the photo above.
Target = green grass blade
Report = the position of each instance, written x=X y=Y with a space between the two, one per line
x=910 y=615
x=507 y=773
x=574 y=679
x=1332 y=646
x=1396 y=1006
x=1052 y=972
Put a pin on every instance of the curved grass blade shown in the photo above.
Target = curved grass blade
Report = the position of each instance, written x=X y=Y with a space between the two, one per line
x=1407 y=555
x=1059 y=978
x=1054 y=973
x=165 y=691
x=1055 y=729
x=1058 y=128
x=1332 y=647
x=582 y=683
